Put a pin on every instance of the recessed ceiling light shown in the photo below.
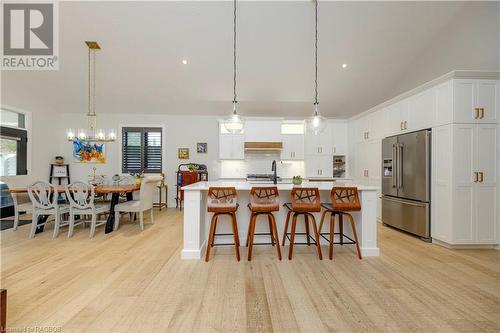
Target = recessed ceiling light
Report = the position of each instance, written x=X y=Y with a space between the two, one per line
x=184 y=62
x=344 y=66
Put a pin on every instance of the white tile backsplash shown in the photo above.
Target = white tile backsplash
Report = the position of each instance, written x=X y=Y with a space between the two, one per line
x=260 y=163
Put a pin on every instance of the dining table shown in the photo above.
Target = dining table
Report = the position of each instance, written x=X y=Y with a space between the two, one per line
x=114 y=190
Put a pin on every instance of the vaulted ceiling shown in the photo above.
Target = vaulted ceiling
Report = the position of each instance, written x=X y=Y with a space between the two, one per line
x=389 y=47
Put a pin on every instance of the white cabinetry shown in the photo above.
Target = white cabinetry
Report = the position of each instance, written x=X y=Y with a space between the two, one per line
x=231 y=146
x=421 y=110
x=320 y=144
x=319 y=166
x=465 y=204
x=339 y=132
x=475 y=101
x=397 y=117
x=263 y=130
x=293 y=147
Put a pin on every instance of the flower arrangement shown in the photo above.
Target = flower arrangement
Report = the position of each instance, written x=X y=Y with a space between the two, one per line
x=297 y=180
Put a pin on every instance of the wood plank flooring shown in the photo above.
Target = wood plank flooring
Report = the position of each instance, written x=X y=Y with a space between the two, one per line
x=133 y=281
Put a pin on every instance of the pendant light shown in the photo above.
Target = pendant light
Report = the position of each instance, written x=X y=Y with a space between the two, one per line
x=234 y=123
x=316 y=123
x=91 y=133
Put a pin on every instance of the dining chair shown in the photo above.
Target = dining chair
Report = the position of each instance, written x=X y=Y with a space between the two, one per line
x=44 y=197
x=21 y=201
x=81 y=198
x=145 y=202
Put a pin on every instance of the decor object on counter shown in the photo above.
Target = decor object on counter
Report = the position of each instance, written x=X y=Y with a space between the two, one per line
x=297 y=180
x=88 y=152
x=137 y=178
x=316 y=123
x=59 y=160
x=188 y=174
x=183 y=154
x=91 y=133
x=201 y=147
x=234 y=123
x=59 y=172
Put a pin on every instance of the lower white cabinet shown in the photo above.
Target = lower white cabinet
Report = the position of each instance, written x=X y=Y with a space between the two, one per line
x=231 y=146
x=464 y=184
x=319 y=166
x=293 y=147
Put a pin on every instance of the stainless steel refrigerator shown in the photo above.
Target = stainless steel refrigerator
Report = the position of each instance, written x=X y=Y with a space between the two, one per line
x=406 y=177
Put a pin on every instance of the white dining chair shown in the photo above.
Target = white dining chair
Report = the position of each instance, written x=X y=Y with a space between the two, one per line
x=81 y=198
x=22 y=202
x=44 y=199
x=145 y=202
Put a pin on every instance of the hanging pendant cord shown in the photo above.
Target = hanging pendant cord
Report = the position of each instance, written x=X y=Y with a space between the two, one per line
x=234 y=51
x=316 y=53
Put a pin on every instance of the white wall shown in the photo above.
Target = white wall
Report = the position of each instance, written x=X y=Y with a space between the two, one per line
x=260 y=163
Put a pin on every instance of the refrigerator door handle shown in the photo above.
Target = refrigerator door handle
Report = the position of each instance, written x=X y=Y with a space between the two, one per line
x=394 y=164
x=400 y=165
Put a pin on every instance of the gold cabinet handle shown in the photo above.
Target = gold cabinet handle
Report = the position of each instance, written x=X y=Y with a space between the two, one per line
x=476 y=177
x=481 y=177
x=406 y=127
x=481 y=113
x=401 y=126
x=476 y=113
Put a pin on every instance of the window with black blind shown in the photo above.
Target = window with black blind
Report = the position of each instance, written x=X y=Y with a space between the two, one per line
x=141 y=149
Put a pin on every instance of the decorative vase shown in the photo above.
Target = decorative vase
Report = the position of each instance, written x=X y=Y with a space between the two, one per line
x=297 y=180
x=59 y=160
x=138 y=182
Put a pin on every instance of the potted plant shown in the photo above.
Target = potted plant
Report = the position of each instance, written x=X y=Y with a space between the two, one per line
x=297 y=180
x=59 y=160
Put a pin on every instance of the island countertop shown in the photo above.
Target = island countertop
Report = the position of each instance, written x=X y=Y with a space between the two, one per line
x=247 y=185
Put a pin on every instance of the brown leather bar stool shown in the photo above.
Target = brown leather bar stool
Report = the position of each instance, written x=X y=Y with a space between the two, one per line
x=263 y=201
x=344 y=200
x=222 y=201
x=305 y=201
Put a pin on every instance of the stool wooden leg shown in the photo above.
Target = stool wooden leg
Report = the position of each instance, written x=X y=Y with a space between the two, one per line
x=341 y=229
x=216 y=219
x=286 y=227
x=269 y=219
x=274 y=233
x=332 y=234
x=250 y=239
x=322 y=219
x=316 y=234
x=249 y=226
x=211 y=236
x=236 y=236
x=292 y=236
x=351 y=219
x=306 y=222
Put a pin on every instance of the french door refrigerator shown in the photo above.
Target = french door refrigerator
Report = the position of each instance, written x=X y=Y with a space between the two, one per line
x=406 y=176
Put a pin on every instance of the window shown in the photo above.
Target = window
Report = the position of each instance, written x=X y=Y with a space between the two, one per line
x=13 y=144
x=141 y=149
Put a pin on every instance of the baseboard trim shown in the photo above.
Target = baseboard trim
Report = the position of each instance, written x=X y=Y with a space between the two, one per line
x=466 y=246
x=193 y=254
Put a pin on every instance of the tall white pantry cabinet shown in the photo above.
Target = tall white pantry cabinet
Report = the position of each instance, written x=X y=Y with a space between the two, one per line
x=465 y=167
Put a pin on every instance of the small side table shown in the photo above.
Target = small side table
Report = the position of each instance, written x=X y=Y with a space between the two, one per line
x=161 y=187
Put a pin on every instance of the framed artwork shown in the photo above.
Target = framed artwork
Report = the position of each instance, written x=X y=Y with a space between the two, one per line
x=201 y=147
x=183 y=153
x=60 y=171
x=87 y=152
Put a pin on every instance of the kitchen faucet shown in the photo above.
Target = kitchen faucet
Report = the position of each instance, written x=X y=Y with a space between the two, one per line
x=273 y=169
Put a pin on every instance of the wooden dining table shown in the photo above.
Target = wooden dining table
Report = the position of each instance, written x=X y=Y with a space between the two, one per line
x=114 y=190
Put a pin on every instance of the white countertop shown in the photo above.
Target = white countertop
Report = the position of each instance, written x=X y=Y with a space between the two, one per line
x=246 y=186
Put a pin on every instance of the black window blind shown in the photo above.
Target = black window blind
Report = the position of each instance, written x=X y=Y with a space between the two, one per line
x=141 y=149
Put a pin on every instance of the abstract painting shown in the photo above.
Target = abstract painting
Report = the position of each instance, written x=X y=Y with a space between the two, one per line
x=88 y=152
x=201 y=147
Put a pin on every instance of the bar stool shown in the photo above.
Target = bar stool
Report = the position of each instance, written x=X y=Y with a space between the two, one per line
x=305 y=201
x=344 y=200
x=263 y=201
x=222 y=201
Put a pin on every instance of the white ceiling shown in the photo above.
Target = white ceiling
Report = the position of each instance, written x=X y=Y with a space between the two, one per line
x=390 y=47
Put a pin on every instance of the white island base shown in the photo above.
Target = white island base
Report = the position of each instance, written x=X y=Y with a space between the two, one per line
x=197 y=219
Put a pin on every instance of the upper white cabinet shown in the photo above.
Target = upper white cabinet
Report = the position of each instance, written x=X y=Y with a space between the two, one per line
x=293 y=147
x=339 y=132
x=263 y=130
x=475 y=101
x=396 y=118
x=231 y=146
x=421 y=110
x=319 y=144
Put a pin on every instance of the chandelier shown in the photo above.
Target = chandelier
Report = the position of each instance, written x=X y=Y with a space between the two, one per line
x=91 y=133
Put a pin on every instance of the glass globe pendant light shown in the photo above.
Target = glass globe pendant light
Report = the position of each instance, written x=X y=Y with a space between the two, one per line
x=316 y=123
x=234 y=123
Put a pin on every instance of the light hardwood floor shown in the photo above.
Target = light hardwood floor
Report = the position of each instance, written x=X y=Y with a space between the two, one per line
x=132 y=281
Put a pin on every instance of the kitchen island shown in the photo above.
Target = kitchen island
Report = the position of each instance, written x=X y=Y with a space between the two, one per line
x=197 y=219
